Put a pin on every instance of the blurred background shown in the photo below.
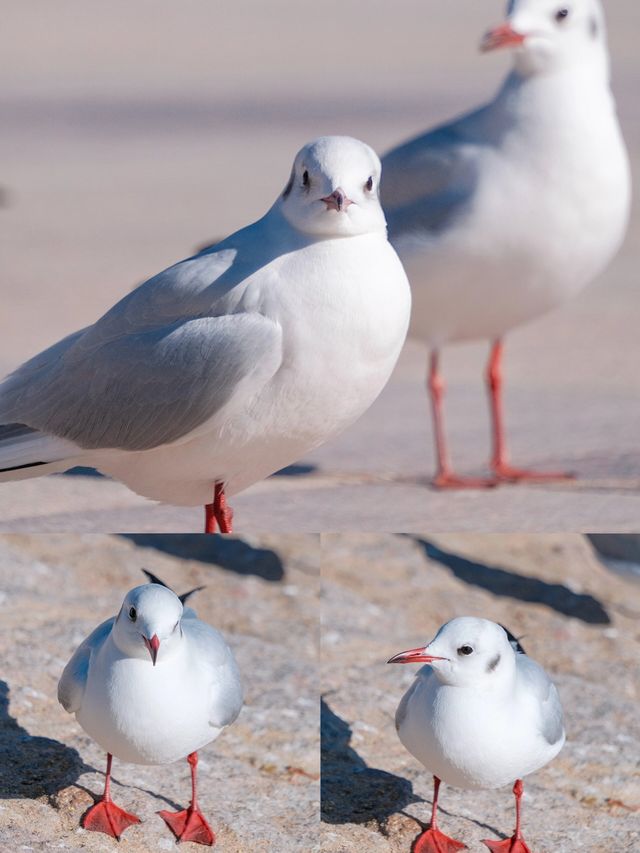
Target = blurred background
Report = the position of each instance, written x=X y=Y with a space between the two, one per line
x=132 y=132
x=258 y=782
x=576 y=610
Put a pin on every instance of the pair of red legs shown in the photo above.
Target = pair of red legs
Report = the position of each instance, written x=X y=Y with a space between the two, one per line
x=219 y=513
x=187 y=825
x=434 y=841
x=502 y=470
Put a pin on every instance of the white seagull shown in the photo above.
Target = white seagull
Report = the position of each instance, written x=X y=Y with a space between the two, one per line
x=152 y=685
x=481 y=715
x=512 y=209
x=233 y=363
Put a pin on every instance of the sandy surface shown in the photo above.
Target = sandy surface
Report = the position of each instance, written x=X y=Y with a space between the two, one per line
x=384 y=594
x=258 y=781
x=134 y=132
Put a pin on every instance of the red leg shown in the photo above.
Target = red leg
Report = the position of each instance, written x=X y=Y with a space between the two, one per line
x=105 y=816
x=219 y=513
x=500 y=458
x=210 y=525
x=515 y=844
x=432 y=840
x=190 y=824
x=445 y=478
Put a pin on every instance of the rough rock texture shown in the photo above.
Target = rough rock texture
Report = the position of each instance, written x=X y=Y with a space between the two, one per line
x=259 y=780
x=384 y=594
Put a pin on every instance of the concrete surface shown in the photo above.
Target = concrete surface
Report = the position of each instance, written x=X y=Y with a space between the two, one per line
x=383 y=594
x=258 y=782
x=133 y=132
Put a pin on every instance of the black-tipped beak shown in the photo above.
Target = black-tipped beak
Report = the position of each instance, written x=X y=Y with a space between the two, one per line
x=338 y=200
x=414 y=656
x=153 y=645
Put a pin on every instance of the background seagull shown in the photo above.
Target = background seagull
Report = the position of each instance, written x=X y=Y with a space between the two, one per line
x=152 y=685
x=233 y=363
x=481 y=715
x=512 y=209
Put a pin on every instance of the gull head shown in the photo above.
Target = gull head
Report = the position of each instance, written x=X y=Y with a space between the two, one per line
x=548 y=35
x=148 y=624
x=333 y=189
x=466 y=652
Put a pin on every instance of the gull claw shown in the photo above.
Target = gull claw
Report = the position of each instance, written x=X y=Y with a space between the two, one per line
x=509 y=845
x=189 y=825
x=105 y=816
x=434 y=841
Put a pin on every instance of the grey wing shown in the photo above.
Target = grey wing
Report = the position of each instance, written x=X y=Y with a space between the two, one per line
x=403 y=707
x=226 y=686
x=74 y=676
x=429 y=182
x=145 y=387
x=532 y=677
x=422 y=677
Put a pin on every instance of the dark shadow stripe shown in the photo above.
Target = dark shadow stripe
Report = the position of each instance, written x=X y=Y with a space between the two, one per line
x=20 y=467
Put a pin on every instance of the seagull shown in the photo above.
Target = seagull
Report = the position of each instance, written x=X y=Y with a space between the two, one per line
x=481 y=715
x=512 y=209
x=233 y=363
x=152 y=685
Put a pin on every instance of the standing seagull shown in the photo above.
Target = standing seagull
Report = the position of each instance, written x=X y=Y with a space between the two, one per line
x=233 y=363
x=152 y=685
x=513 y=208
x=481 y=715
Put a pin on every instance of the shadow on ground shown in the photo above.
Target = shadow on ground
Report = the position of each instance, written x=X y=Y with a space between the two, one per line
x=352 y=792
x=31 y=767
x=231 y=554
x=300 y=470
x=521 y=587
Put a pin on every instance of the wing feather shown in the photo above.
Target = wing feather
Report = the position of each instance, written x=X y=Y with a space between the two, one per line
x=74 y=677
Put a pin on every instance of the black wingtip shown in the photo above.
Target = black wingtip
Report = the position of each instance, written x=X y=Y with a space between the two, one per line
x=515 y=642
x=154 y=579
x=185 y=595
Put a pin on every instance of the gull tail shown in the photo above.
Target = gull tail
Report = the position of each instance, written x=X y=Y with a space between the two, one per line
x=26 y=452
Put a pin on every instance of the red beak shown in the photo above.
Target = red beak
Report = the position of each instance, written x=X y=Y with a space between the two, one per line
x=414 y=656
x=503 y=36
x=153 y=645
x=338 y=200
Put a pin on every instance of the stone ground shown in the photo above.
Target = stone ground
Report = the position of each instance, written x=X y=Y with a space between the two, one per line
x=384 y=594
x=133 y=133
x=259 y=781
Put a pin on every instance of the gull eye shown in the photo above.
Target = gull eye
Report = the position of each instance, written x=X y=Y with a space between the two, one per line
x=305 y=178
x=465 y=650
x=562 y=14
x=133 y=614
x=369 y=184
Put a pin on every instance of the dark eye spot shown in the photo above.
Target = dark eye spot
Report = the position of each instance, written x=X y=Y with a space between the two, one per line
x=465 y=650
x=369 y=184
x=562 y=14
x=133 y=614
x=493 y=663
x=594 y=28
x=305 y=178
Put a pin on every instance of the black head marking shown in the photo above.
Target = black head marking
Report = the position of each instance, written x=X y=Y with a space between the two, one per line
x=493 y=663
